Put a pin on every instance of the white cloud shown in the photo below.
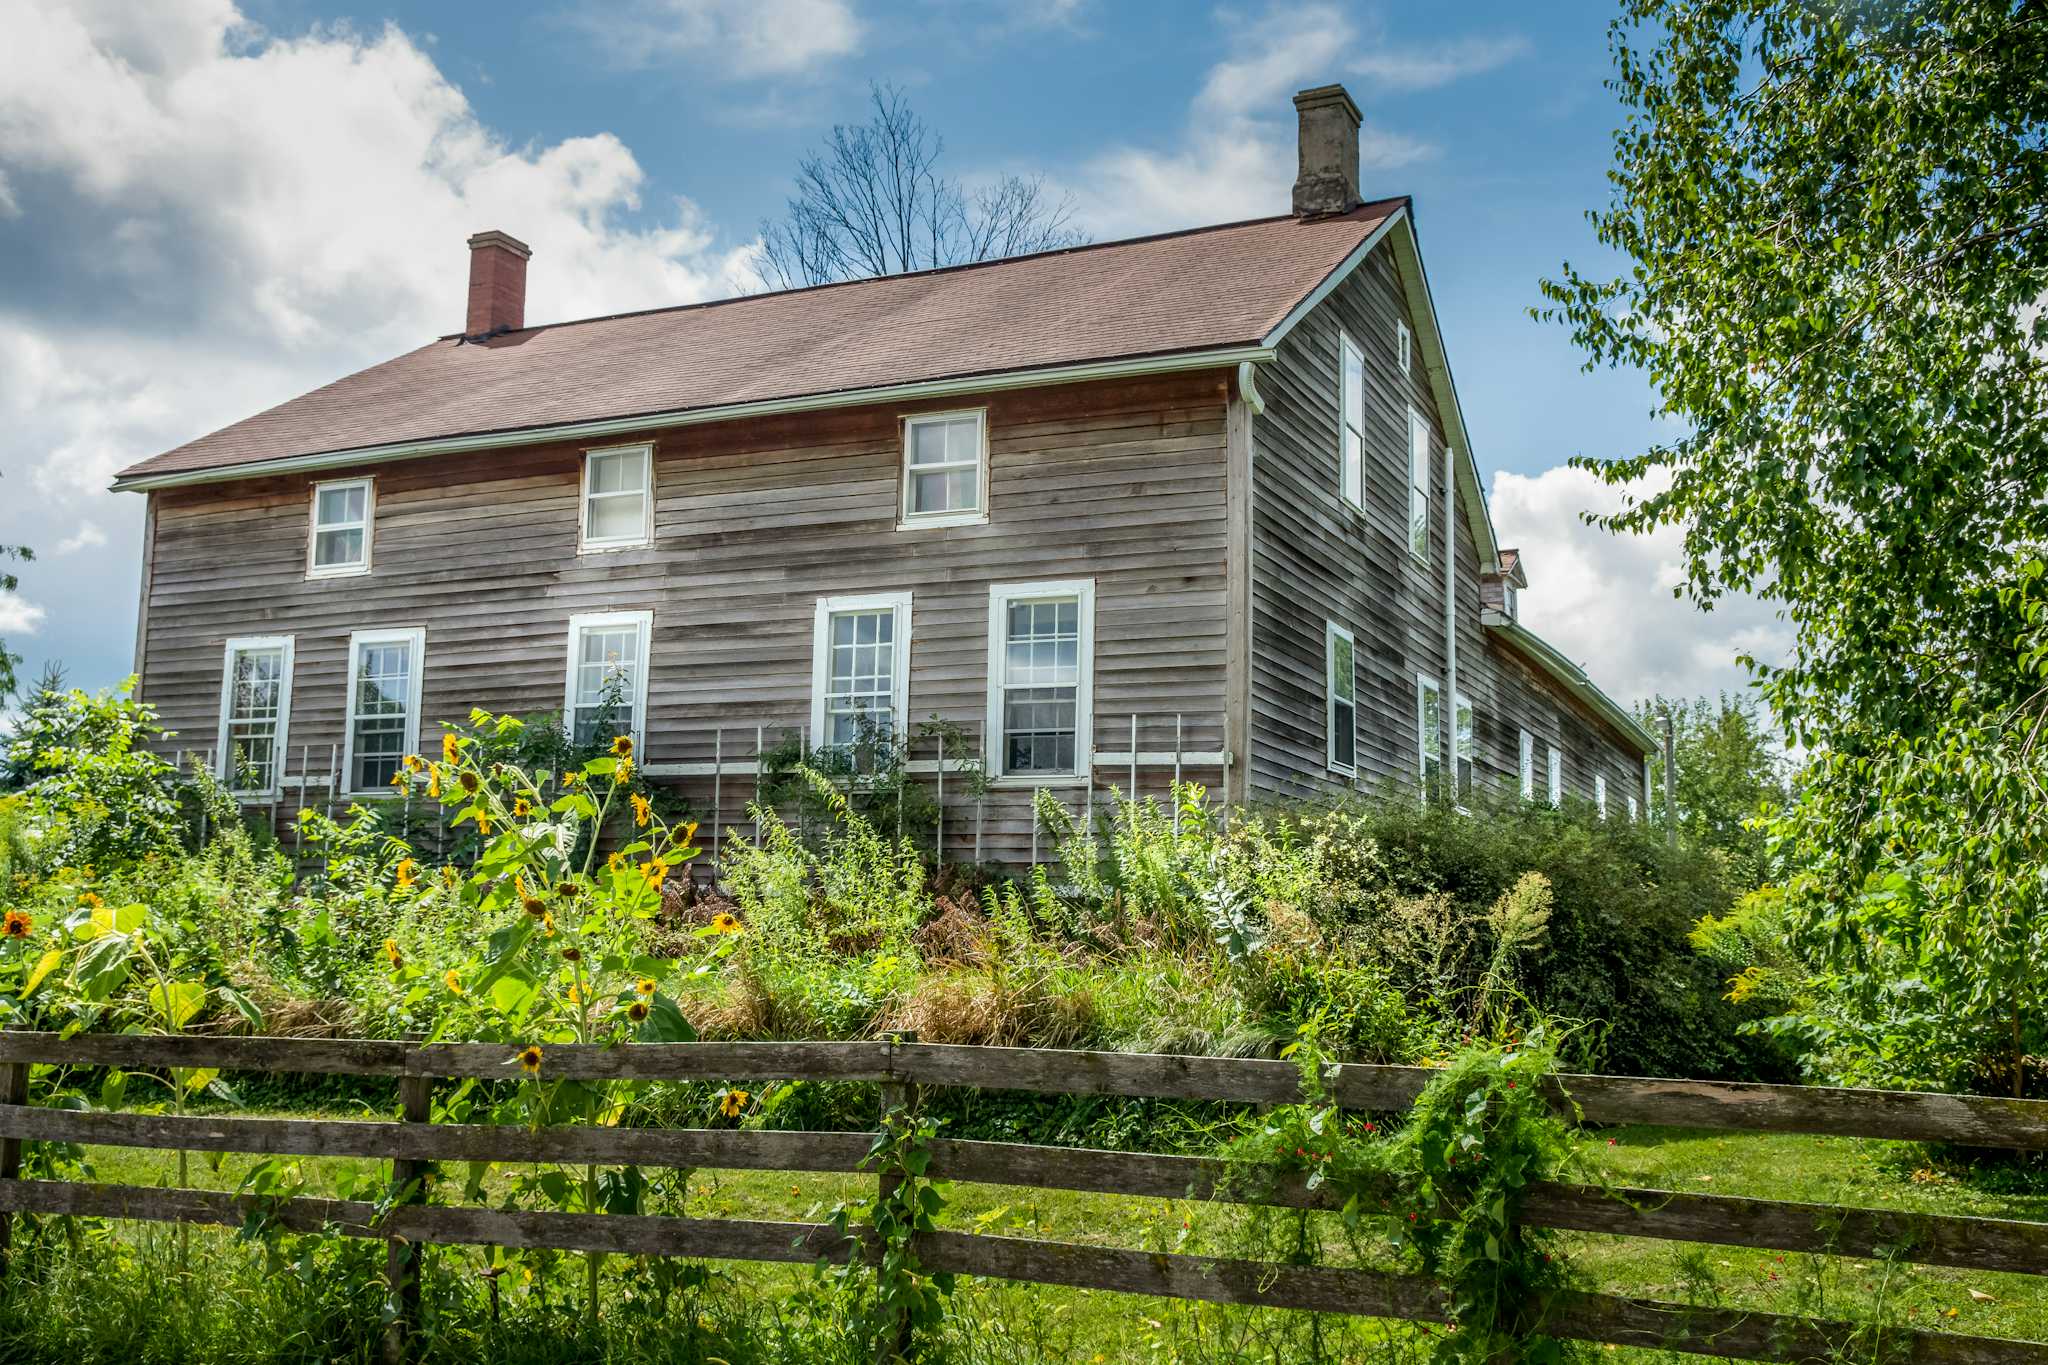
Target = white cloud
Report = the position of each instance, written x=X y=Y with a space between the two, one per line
x=1606 y=600
x=730 y=37
x=88 y=536
x=1236 y=156
x=208 y=220
x=18 y=615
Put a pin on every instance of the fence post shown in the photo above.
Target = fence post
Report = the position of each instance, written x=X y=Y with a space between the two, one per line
x=13 y=1090
x=402 y=1258
x=717 y=798
x=896 y=1098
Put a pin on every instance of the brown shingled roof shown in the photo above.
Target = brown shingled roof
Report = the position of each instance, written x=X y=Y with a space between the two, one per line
x=1187 y=291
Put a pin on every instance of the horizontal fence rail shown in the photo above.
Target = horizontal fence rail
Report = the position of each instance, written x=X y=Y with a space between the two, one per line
x=1946 y=1240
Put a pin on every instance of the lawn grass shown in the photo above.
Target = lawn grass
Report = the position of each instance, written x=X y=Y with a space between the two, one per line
x=992 y=1321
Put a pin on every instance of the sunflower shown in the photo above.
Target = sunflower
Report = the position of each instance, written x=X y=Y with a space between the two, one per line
x=622 y=746
x=408 y=872
x=645 y=985
x=568 y=891
x=689 y=831
x=16 y=925
x=655 y=870
x=641 y=810
x=570 y=780
x=391 y=951
x=535 y=906
x=90 y=899
x=547 y=925
x=398 y=779
x=451 y=748
x=453 y=980
x=637 y=1011
x=725 y=922
x=572 y=954
x=413 y=763
x=622 y=774
x=450 y=878
x=483 y=823
x=434 y=781
x=469 y=782
x=522 y=808
x=529 y=1059
x=733 y=1103
x=575 y=995
x=615 y=862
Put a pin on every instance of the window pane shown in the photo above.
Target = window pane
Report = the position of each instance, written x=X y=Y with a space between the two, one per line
x=339 y=505
x=383 y=696
x=928 y=443
x=1354 y=386
x=936 y=492
x=331 y=548
x=1038 y=729
x=1344 y=734
x=625 y=471
x=1343 y=670
x=1041 y=678
x=589 y=731
x=255 y=696
x=860 y=686
x=607 y=672
x=1418 y=523
x=618 y=517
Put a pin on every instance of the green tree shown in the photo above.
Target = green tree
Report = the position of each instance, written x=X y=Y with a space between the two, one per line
x=1836 y=247
x=8 y=583
x=1729 y=770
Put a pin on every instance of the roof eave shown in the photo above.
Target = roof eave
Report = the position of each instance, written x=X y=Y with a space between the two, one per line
x=1571 y=675
x=995 y=381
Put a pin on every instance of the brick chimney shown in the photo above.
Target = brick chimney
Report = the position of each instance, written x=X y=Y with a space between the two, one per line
x=497 y=283
x=1328 y=180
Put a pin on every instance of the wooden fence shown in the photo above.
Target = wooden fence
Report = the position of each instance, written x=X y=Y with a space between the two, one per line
x=896 y=1066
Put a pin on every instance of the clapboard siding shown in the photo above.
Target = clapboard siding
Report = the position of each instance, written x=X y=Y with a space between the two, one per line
x=755 y=520
x=1315 y=558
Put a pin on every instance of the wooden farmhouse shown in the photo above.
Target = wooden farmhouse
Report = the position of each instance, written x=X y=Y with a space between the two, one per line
x=1198 y=503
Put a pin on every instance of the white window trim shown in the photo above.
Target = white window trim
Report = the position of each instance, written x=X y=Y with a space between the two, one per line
x=1635 y=811
x=368 y=483
x=1555 y=777
x=1332 y=632
x=1404 y=346
x=1459 y=701
x=416 y=636
x=604 y=620
x=821 y=655
x=906 y=519
x=585 y=543
x=1000 y=596
x=1424 y=685
x=1527 y=755
x=224 y=754
x=1649 y=788
x=1600 y=793
x=1418 y=482
x=1346 y=347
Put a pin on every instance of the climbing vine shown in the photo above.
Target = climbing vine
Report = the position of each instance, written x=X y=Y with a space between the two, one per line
x=1441 y=1189
x=898 y=1300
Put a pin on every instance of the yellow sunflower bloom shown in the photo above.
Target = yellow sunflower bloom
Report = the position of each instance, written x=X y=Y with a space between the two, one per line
x=391 y=951
x=645 y=985
x=641 y=810
x=529 y=1059
x=615 y=862
x=622 y=746
x=453 y=980
x=622 y=774
x=733 y=1103
x=16 y=925
x=451 y=748
x=522 y=808
x=725 y=923
x=637 y=1011
x=655 y=870
x=408 y=872
x=413 y=763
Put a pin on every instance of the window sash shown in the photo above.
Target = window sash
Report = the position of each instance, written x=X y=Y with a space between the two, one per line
x=1528 y=769
x=1600 y=793
x=860 y=672
x=1404 y=346
x=1340 y=689
x=383 y=706
x=603 y=648
x=616 y=479
x=1556 y=776
x=1429 y=733
x=341 y=543
x=1041 y=666
x=1465 y=745
x=1351 y=420
x=255 y=714
x=1418 y=486
x=954 y=485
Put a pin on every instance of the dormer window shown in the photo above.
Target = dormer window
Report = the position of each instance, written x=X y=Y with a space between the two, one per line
x=339 y=542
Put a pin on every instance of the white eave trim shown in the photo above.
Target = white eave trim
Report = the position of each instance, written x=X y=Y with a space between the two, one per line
x=1571 y=675
x=1218 y=358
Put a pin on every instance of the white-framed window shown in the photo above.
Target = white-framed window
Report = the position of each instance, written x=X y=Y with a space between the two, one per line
x=383 y=705
x=1041 y=683
x=860 y=670
x=618 y=497
x=1404 y=346
x=606 y=693
x=945 y=468
x=1649 y=787
x=1429 y=734
x=1465 y=746
x=1351 y=419
x=1556 y=776
x=1600 y=793
x=1512 y=601
x=1635 y=811
x=1528 y=766
x=255 y=713
x=1418 y=486
x=1340 y=689
x=338 y=536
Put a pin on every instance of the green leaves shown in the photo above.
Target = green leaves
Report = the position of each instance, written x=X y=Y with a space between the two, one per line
x=177 y=1003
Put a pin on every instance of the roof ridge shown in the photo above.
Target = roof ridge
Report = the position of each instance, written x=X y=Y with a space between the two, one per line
x=1387 y=204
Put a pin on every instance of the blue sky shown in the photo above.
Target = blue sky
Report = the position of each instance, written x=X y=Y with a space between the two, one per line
x=206 y=208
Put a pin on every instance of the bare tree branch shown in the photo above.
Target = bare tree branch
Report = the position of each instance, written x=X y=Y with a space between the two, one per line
x=872 y=201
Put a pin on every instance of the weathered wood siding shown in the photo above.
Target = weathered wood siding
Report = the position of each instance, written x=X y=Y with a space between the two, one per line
x=1316 y=558
x=755 y=520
